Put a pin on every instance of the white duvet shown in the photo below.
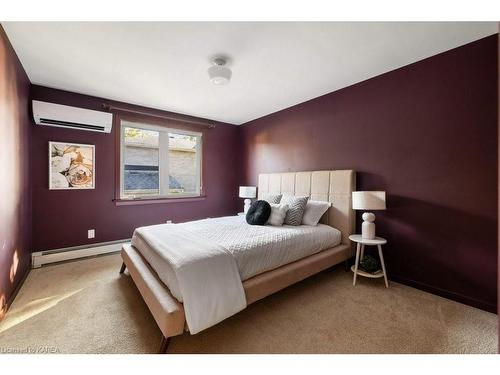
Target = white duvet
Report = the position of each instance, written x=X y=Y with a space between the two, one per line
x=219 y=254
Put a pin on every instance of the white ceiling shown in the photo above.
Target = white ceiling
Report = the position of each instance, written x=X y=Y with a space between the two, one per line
x=275 y=65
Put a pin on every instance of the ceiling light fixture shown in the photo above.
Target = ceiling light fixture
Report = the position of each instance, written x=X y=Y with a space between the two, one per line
x=219 y=73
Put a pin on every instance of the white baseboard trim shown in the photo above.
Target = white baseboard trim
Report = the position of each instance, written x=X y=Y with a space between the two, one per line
x=40 y=258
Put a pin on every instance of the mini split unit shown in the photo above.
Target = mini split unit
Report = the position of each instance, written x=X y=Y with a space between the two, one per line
x=63 y=116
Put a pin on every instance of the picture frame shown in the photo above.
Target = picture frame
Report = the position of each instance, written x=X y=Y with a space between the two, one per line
x=71 y=166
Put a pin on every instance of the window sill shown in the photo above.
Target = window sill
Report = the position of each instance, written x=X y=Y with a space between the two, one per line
x=135 y=202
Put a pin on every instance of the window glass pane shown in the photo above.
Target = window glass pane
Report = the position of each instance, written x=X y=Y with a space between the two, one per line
x=140 y=163
x=183 y=164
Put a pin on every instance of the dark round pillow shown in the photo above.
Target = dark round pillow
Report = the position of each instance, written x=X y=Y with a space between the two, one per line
x=258 y=213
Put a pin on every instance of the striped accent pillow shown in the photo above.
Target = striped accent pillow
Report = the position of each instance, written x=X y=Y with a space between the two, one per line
x=296 y=208
x=272 y=198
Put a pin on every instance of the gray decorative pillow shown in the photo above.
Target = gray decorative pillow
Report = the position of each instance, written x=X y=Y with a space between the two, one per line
x=272 y=198
x=296 y=208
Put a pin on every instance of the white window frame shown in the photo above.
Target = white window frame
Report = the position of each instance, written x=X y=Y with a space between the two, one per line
x=163 y=162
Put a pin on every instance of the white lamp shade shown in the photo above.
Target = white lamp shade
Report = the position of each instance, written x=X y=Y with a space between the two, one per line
x=368 y=200
x=248 y=191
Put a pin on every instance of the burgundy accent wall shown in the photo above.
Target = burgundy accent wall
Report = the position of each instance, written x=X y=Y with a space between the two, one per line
x=427 y=134
x=62 y=218
x=15 y=197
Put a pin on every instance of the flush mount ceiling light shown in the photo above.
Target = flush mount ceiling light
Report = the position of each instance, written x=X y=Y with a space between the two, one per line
x=219 y=73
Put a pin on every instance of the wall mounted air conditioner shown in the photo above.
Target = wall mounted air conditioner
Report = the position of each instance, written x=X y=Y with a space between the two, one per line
x=71 y=117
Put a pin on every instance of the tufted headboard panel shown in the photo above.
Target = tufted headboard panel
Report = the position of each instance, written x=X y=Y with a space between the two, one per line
x=332 y=186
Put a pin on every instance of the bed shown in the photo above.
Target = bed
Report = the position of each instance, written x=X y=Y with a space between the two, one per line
x=266 y=259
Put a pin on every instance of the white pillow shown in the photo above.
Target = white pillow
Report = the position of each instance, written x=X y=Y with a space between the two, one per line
x=314 y=211
x=278 y=214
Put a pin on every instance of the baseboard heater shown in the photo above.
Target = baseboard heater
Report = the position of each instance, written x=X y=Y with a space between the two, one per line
x=40 y=258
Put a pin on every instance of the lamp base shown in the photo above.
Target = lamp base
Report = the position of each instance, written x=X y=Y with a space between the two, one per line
x=246 y=207
x=368 y=226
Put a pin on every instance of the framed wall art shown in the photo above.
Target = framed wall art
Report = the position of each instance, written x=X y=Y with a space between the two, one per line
x=71 y=166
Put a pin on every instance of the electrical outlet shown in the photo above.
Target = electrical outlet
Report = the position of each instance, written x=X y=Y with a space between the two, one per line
x=169 y=221
x=91 y=233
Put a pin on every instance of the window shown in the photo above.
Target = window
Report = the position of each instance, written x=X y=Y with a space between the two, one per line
x=159 y=162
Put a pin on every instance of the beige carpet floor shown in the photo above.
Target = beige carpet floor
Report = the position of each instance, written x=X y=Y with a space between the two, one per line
x=87 y=307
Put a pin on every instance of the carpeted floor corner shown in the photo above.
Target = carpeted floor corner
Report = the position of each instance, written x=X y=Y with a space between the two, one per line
x=87 y=307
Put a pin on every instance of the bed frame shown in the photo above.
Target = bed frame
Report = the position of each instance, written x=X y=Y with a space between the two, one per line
x=332 y=186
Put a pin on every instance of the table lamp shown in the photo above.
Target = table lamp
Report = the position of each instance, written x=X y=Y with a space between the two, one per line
x=247 y=192
x=368 y=200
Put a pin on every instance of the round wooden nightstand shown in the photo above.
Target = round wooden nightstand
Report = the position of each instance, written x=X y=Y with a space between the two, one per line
x=360 y=252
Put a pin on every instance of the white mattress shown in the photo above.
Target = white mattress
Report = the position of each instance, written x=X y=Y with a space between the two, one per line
x=256 y=249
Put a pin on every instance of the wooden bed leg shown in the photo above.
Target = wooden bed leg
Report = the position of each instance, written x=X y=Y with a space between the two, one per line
x=122 y=270
x=346 y=265
x=164 y=345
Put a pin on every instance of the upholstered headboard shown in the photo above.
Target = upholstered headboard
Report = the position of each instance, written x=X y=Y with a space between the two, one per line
x=332 y=186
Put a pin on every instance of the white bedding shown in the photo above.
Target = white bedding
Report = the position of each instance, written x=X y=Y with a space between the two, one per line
x=256 y=249
x=206 y=274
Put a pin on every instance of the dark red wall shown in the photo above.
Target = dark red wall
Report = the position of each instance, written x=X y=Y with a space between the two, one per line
x=425 y=133
x=15 y=197
x=62 y=218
